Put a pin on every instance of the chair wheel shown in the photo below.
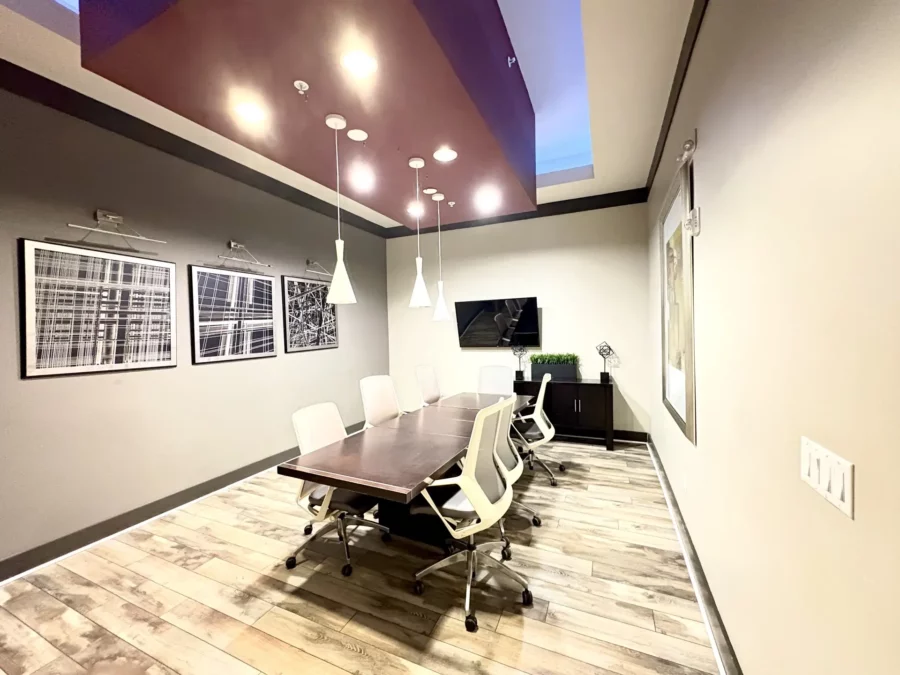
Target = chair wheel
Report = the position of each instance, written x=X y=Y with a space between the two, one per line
x=386 y=537
x=308 y=529
x=505 y=541
x=506 y=553
x=536 y=521
x=291 y=563
x=552 y=482
x=471 y=624
x=527 y=599
x=347 y=570
x=418 y=587
x=562 y=468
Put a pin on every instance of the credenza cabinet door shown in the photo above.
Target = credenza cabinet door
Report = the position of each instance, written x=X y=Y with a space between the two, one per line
x=563 y=409
x=592 y=403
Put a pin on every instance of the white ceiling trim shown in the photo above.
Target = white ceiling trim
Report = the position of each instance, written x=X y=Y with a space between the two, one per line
x=40 y=50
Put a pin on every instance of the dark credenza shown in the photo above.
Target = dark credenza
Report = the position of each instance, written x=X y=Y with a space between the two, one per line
x=580 y=410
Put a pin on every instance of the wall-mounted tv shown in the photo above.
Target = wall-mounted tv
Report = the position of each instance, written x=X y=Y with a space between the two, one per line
x=498 y=323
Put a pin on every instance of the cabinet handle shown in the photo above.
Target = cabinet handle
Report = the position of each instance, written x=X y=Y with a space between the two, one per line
x=579 y=405
x=574 y=405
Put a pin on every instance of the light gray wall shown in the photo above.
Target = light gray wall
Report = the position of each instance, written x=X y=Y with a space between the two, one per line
x=797 y=325
x=80 y=449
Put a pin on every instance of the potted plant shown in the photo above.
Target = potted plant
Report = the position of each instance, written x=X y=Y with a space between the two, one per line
x=560 y=366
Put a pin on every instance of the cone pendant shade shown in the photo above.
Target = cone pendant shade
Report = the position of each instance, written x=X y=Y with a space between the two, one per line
x=420 y=296
x=341 y=292
x=440 y=307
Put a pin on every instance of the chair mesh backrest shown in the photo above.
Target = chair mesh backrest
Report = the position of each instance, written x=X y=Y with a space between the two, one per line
x=539 y=404
x=379 y=399
x=487 y=474
x=428 y=384
x=505 y=449
x=495 y=380
x=317 y=426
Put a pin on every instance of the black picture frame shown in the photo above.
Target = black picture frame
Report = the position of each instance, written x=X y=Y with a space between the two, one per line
x=122 y=358
x=242 y=348
x=324 y=307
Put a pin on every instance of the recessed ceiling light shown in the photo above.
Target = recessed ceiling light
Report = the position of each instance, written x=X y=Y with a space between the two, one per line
x=359 y=64
x=362 y=178
x=487 y=199
x=249 y=111
x=357 y=135
x=415 y=209
x=445 y=154
x=429 y=191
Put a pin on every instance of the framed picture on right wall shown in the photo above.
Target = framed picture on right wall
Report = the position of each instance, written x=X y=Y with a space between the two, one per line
x=677 y=288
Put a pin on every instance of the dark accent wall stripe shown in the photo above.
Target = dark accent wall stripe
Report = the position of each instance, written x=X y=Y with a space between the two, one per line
x=722 y=644
x=684 y=60
x=23 y=82
x=605 y=201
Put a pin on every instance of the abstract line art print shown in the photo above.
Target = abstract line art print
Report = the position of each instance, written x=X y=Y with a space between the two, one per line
x=87 y=311
x=232 y=315
x=309 y=321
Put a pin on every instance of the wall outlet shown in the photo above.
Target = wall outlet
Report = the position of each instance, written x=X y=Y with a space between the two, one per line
x=828 y=474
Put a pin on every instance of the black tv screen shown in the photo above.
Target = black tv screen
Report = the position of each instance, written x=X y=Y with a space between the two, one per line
x=498 y=323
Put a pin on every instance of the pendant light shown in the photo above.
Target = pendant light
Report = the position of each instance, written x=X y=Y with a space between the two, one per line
x=440 y=306
x=419 y=296
x=340 y=292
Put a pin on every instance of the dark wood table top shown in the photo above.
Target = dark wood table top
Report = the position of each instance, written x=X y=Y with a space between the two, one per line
x=473 y=401
x=395 y=459
x=437 y=421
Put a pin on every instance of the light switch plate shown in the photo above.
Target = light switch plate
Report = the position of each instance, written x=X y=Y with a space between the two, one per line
x=828 y=474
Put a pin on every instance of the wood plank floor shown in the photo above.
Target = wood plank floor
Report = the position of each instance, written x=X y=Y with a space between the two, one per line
x=204 y=590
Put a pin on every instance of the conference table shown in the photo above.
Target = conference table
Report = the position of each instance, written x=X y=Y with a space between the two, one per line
x=395 y=460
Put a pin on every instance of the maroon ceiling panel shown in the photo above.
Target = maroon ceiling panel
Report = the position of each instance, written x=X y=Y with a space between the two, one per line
x=192 y=56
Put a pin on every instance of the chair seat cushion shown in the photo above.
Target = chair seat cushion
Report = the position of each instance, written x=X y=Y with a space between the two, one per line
x=530 y=431
x=343 y=500
x=457 y=507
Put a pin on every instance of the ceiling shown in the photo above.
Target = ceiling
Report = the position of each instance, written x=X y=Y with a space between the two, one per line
x=597 y=118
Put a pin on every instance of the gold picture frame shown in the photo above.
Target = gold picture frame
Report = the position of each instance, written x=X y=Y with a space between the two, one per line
x=676 y=230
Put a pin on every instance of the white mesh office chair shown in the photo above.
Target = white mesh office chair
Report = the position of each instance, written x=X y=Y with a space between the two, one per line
x=512 y=461
x=317 y=426
x=379 y=399
x=534 y=429
x=495 y=380
x=428 y=385
x=484 y=496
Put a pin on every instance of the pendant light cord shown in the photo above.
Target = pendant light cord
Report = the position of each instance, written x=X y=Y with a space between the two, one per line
x=337 y=169
x=418 y=217
x=440 y=252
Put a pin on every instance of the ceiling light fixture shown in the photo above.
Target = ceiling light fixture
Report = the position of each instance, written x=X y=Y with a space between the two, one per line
x=419 y=297
x=445 y=154
x=249 y=111
x=359 y=64
x=415 y=209
x=487 y=199
x=429 y=191
x=341 y=291
x=362 y=178
x=357 y=135
x=440 y=306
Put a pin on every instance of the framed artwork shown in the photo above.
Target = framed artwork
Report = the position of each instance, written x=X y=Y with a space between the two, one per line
x=677 y=282
x=232 y=315
x=87 y=311
x=309 y=321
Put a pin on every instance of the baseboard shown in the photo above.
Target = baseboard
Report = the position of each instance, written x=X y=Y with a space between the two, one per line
x=721 y=644
x=618 y=435
x=44 y=553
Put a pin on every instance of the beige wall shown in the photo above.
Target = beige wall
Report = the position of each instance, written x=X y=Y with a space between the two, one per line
x=80 y=449
x=797 y=297
x=588 y=271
